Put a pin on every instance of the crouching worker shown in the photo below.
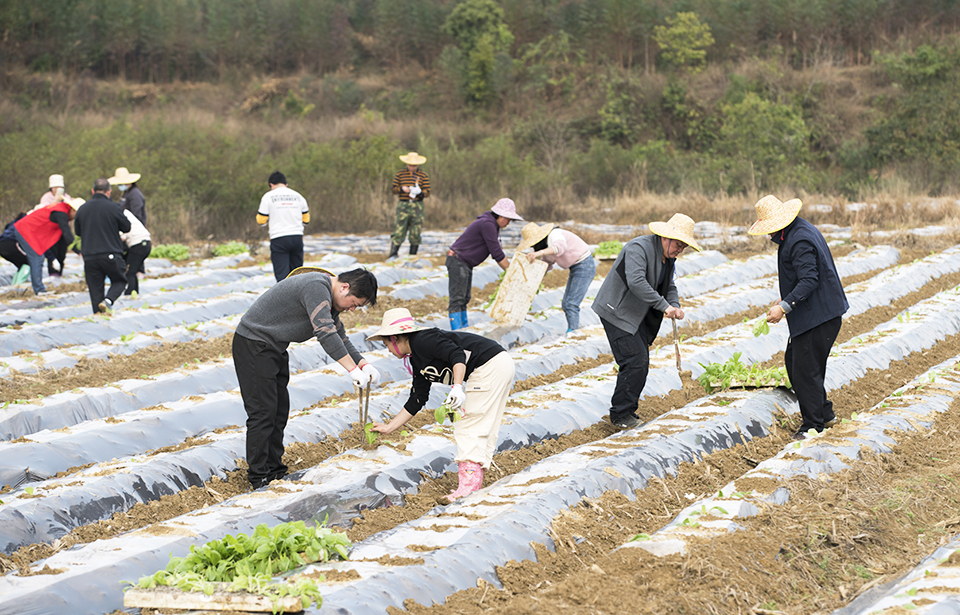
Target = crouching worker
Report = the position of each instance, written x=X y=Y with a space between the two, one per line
x=480 y=374
x=306 y=304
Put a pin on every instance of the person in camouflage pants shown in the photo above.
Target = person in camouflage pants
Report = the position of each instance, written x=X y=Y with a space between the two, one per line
x=411 y=185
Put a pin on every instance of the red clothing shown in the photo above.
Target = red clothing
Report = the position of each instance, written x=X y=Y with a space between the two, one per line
x=39 y=230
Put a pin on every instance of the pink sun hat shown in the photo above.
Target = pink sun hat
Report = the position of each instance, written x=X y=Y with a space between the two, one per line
x=506 y=208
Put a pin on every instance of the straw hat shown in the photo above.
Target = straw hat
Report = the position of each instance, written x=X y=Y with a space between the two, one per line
x=506 y=208
x=397 y=321
x=413 y=158
x=123 y=176
x=533 y=234
x=773 y=215
x=679 y=227
x=76 y=203
x=56 y=181
x=300 y=270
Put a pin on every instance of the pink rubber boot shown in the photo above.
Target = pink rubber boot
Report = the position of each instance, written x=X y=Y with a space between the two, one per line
x=471 y=479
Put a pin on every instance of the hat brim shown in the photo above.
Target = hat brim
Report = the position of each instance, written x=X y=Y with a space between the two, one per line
x=125 y=179
x=414 y=161
x=665 y=230
x=385 y=332
x=787 y=213
x=542 y=232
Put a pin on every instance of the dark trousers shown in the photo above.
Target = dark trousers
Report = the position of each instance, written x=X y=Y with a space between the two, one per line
x=98 y=268
x=58 y=253
x=632 y=353
x=286 y=254
x=10 y=251
x=134 y=258
x=263 y=373
x=459 y=284
x=806 y=362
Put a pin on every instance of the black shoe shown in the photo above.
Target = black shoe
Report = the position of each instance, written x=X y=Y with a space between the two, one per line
x=260 y=482
x=394 y=250
x=800 y=435
x=414 y=248
x=629 y=422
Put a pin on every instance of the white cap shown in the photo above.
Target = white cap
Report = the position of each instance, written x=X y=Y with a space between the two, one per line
x=56 y=181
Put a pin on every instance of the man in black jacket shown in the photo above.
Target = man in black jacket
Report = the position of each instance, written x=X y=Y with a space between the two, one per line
x=99 y=223
x=811 y=298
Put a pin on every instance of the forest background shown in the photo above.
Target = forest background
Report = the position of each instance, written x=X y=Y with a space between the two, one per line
x=612 y=111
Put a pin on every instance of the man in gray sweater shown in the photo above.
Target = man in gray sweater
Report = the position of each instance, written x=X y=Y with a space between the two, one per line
x=632 y=301
x=306 y=304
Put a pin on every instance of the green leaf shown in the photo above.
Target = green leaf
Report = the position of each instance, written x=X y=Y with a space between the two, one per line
x=371 y=435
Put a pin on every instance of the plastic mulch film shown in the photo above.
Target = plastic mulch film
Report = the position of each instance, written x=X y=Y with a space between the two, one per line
x=120 y=484
x=835 y=449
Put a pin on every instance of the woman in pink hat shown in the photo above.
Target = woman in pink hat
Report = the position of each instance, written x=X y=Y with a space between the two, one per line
x=480 y=374
x=480 y=240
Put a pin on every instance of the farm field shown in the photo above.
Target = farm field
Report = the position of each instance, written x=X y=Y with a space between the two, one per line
x=121 y=443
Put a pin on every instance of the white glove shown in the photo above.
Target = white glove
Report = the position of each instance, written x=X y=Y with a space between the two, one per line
x=456 y=397
x=360 y=377
x=414 y=191
x=372 y=374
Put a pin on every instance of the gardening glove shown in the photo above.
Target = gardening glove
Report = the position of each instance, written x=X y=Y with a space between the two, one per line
x=360 y=377
x=372 y=373
x=415 y=191
x=456 y=397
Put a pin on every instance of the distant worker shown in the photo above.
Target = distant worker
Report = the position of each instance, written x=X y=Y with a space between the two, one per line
x=287 y=212
x=811 y=298
x=99 y=224
x=480 y=240
x=138 y=245
x=304 y=305
x=480 y=375
x=632 y=302
x=411 y=185
x=562 y=248
x=58 y=251
x=10 y=251
x=131 y=198
x=41 y=229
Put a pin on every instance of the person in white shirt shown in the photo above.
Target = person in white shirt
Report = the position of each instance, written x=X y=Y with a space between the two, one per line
x=286 y=212
x=138 y=245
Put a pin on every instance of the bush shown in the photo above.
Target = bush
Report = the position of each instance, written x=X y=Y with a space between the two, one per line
x=230 y=248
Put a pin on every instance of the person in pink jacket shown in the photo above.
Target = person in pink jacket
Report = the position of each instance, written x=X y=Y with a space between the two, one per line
x=562 y=248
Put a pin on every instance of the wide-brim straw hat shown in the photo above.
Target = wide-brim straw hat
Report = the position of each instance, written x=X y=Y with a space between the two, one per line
x=397 y=321
x=56 y=181
x=533 y=234
x=773 y=215
x=506 y=208
x=76 y=203
x=123 y=176
x=413 y=158
x=679 y=227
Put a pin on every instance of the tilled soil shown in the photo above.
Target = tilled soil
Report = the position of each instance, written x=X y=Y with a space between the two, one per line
x=834 y=538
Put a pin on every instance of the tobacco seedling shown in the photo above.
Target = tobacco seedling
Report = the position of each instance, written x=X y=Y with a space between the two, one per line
x=761 y=327
x=440 y=414
x=127 y=338
x=371 y=435
x=637 y=537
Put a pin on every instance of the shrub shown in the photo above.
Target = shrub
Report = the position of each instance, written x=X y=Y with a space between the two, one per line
x=230 y=248
x=171 y=251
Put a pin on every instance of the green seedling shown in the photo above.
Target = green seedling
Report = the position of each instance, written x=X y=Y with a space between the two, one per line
x=371 y=435
x=761 y=327
x=127 y=338
x=29 y=490
x=193 y=327
x=404 y=433
x=440 y=414
x=638 y=537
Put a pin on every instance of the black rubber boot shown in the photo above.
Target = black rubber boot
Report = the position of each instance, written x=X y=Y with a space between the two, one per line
x=394 y=250
x=414 y=248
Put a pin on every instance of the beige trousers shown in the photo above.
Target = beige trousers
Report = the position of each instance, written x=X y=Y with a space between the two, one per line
x=487 y=390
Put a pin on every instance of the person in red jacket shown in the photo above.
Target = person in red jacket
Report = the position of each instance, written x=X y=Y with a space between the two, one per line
x=39 y=230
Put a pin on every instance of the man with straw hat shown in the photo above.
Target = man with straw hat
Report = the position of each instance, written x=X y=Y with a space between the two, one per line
x=811 y=298
x=411 y=185
x=635 y=296
x=560 y=247
x=480 y=374
x=480 y=240
x=131 y=197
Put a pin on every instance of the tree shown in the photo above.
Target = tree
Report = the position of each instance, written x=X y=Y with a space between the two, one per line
x=477 y=27
x=683 y=41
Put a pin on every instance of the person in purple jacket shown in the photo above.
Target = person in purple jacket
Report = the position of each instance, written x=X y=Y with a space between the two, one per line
x=811 y=299
x=480 y=240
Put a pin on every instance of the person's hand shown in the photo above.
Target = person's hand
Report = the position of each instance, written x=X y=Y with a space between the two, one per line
x=775 y=314
x=531 y=256
x=372 y=373
x=405 y=189
x=456 y=397
x=383 y=428
x=674 y=312
x=360 y=378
